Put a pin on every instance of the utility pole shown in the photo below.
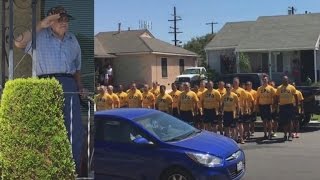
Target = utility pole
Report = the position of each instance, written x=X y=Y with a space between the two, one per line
x=175 y=29
x=291 y=10
x=211 y=23
x=3 y=44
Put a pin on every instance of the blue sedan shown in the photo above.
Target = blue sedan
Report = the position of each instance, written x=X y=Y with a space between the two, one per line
x=145 y=144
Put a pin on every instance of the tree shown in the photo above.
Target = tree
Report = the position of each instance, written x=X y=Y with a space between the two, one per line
x=244 y=63
x=197 y=45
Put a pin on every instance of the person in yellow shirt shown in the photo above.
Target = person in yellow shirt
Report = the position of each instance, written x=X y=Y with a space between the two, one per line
x=242 y=95
x=265 y=96
x=148 y=99
x=134 y=97
x=248 y=112
x=275 y=112
x=253 y=117
x=222 y=91
x=164 y=101
x=175 y=93
x=230 y=109
x=115 y=98
x=199 y=113
x=299 y=113
x=103 y=100
x=123 y=97
x=210 y=101
x=188 y=104
x=202 y=86
x=155 y=90
x=286 y=95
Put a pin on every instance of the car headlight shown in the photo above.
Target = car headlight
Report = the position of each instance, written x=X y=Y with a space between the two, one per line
x=205 y=159
x=234 y=156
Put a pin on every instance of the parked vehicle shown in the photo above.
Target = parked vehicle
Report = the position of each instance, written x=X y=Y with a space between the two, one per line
x=192 y=75
x=148 y=144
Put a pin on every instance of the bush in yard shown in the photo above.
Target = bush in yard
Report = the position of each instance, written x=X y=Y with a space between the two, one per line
x=33 y=137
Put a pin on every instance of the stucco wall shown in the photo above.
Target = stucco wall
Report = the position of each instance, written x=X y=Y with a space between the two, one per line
x=173 y=68
x=133 y=68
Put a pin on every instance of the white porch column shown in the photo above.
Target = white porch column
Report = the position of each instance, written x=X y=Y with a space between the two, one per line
x=315 y=66
x=238 y=62
x=270 y=65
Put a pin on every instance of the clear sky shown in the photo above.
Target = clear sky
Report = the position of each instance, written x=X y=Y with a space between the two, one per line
x=194 y=13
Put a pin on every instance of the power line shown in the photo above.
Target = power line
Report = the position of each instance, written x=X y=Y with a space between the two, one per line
x=211 y=23
x=175 y=29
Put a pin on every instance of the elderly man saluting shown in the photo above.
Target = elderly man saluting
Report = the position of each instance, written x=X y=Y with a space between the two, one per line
x=59 y=56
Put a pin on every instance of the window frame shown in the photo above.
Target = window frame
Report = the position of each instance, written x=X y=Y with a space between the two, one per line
x=164 y=67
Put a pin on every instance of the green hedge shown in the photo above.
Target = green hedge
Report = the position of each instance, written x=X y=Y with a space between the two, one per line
x=33 y=138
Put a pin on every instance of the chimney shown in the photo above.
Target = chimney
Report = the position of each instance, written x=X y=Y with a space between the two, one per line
x=119 y=27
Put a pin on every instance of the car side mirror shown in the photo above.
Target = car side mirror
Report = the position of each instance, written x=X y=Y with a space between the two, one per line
x=141 y=140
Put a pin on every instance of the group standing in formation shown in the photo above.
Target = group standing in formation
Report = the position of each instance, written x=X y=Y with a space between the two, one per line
x=230 y=110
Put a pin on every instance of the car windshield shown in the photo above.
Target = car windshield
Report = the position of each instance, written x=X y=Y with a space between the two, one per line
x=191 y=71
x=166 y=127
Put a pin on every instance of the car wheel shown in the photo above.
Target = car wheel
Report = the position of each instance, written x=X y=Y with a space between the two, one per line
x=177 y=174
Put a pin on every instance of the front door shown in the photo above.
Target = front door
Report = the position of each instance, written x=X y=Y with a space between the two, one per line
x=307 y=65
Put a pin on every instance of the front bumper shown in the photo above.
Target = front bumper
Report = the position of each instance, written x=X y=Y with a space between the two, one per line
x=227 y=171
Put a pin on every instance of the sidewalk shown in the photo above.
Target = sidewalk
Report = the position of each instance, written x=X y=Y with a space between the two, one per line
x=312 y=123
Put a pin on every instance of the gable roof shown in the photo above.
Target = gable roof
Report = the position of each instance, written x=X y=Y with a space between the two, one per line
x=288 y=32
x=270 y=33
x=99 y=52
x=137 y=41
x=230 y=35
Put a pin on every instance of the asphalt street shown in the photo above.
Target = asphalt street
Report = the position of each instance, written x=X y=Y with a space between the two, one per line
x=278 y=160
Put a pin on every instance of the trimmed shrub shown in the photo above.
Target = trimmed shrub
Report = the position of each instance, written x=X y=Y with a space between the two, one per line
x=33 y=137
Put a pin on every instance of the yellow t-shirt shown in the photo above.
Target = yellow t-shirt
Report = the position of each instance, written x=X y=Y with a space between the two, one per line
x=155 y=92
x=148 y=100
x=188 y=100
x=300 y=98
x=199 y=93
x=265 y=94
x=286 y=94
x=134 y=99
x=103 y=102
x=211 y=99
x=123 y=98
x=230 y=102
x=164 y=102
x=175 y=97
x=242 y=95
x=222 y=91
x=115 y=99
x=250 y=102
x=202 y=90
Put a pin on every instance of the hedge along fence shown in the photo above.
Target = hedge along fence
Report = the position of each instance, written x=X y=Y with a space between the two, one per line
x=33 y=137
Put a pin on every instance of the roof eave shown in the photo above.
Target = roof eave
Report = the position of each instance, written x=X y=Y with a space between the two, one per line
x=175 y=54
x=219 y=48
x=274 y=49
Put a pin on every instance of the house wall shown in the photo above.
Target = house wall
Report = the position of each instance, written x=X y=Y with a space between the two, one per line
x=214 y=58
x=131 y=68
x=173 y=68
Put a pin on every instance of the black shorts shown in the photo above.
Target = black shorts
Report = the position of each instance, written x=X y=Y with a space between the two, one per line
x=253 y=117
x=246 y=118
x=286 y=114
x=210 y=116
x=228 y=120
x=175 y=112
x=275 y=116
x=265 y=112
x=186 y=116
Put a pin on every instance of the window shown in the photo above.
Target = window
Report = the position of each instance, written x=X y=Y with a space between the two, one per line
x=164 y=67
x=115 y=131
x=181 y=65
x=265 y=63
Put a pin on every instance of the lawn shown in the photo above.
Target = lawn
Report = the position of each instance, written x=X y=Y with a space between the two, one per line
x=315 y=118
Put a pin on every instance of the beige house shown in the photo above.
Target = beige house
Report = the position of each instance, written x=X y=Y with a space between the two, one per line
x=137 y=56
x=276 y=45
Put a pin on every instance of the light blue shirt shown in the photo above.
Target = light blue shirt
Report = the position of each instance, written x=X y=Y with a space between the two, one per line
x=55 y=55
